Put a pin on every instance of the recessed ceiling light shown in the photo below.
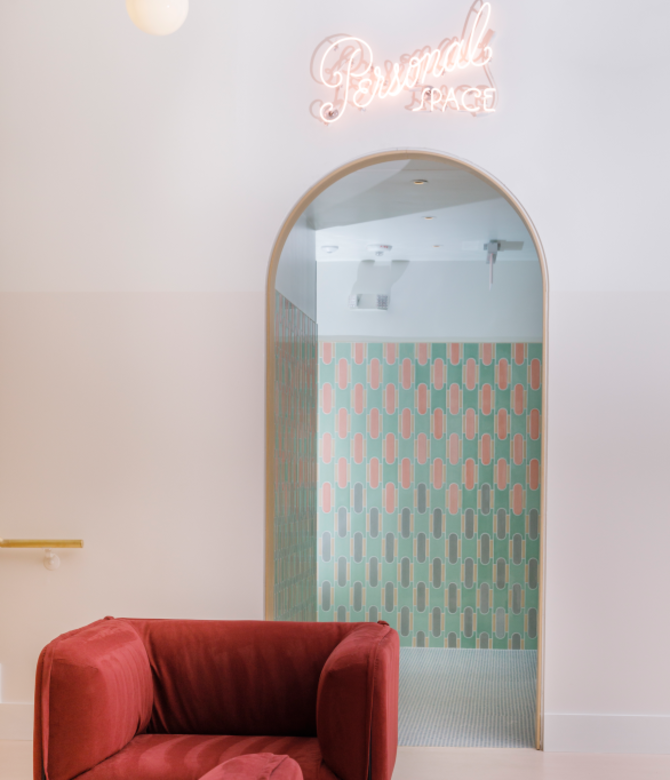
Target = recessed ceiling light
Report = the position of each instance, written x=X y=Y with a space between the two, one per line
x=428 y=217
x=420 y=181
x=436 y=246
x=330 y=249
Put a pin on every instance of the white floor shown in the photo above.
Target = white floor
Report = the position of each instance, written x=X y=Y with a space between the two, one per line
x=425 y=763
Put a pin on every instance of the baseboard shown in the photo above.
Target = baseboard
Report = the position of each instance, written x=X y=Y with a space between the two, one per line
x=577 y=733
x=16 y=721
x=563 y=732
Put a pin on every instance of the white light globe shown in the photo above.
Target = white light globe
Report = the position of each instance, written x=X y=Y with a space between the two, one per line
x=158 y=17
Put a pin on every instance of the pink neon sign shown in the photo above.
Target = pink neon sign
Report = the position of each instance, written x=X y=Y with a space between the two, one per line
x=347 y=68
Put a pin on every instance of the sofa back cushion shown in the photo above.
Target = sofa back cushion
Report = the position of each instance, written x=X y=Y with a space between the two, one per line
x=94 y=694
x=237 y=677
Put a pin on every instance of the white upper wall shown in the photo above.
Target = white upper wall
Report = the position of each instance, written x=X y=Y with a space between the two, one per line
x=132 y=162
x=448 y=301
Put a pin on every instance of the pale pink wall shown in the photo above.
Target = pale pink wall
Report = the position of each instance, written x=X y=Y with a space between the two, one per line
x=135 y=421
x=131 y=163
x=608 y=534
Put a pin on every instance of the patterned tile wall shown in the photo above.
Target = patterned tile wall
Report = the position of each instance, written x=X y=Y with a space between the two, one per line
x=296 y=367
x=429 y=490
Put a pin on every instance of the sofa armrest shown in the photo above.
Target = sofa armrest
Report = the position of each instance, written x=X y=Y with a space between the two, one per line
x=93 y=694
x=357 y=704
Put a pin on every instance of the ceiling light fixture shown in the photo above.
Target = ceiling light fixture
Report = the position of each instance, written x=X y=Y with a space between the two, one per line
x=158 y=17
x=428 y=217
x=492 y=248
x=436 y=246
x=330 y=249
x=420 y=181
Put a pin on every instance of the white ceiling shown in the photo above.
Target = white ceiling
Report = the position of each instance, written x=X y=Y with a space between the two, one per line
x=386 y=190
x=382 y=205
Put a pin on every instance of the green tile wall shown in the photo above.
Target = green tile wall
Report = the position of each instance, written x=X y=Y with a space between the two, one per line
x=429 y=490
x=295 y=585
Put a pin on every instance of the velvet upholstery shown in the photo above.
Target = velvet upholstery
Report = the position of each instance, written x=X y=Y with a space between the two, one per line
x=357 y=704
x=190 y=756
x=345 y=702
x=266 y=672
x=96 y=693
x=384 y=729
x=173 y=699
x=257 y=766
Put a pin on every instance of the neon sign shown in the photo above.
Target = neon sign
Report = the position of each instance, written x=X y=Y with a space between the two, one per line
x=347 y=68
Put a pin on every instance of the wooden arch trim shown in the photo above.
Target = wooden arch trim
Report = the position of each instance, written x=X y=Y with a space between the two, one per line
x=289 y=223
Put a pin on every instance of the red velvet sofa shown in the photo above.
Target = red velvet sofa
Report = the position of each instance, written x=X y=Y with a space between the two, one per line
x=126 y=699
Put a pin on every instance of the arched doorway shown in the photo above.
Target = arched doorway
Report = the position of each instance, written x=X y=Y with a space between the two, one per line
x=272 y=398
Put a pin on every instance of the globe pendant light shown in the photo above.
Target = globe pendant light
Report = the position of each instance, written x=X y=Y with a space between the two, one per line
x=158 y=17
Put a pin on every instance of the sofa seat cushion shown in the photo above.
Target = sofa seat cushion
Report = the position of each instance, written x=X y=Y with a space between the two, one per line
x=257 y=766
x=189 y=756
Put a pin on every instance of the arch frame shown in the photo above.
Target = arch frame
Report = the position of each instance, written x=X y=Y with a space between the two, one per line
x=310 y=195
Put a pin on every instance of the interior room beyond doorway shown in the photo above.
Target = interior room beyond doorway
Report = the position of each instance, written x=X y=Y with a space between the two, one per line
x=415 y=332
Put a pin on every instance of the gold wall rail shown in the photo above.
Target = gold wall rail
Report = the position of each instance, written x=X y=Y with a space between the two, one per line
x=45 y=544
x=51 y=560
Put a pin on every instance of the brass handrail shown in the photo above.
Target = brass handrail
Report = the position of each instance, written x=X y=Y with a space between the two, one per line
x=42 y=543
